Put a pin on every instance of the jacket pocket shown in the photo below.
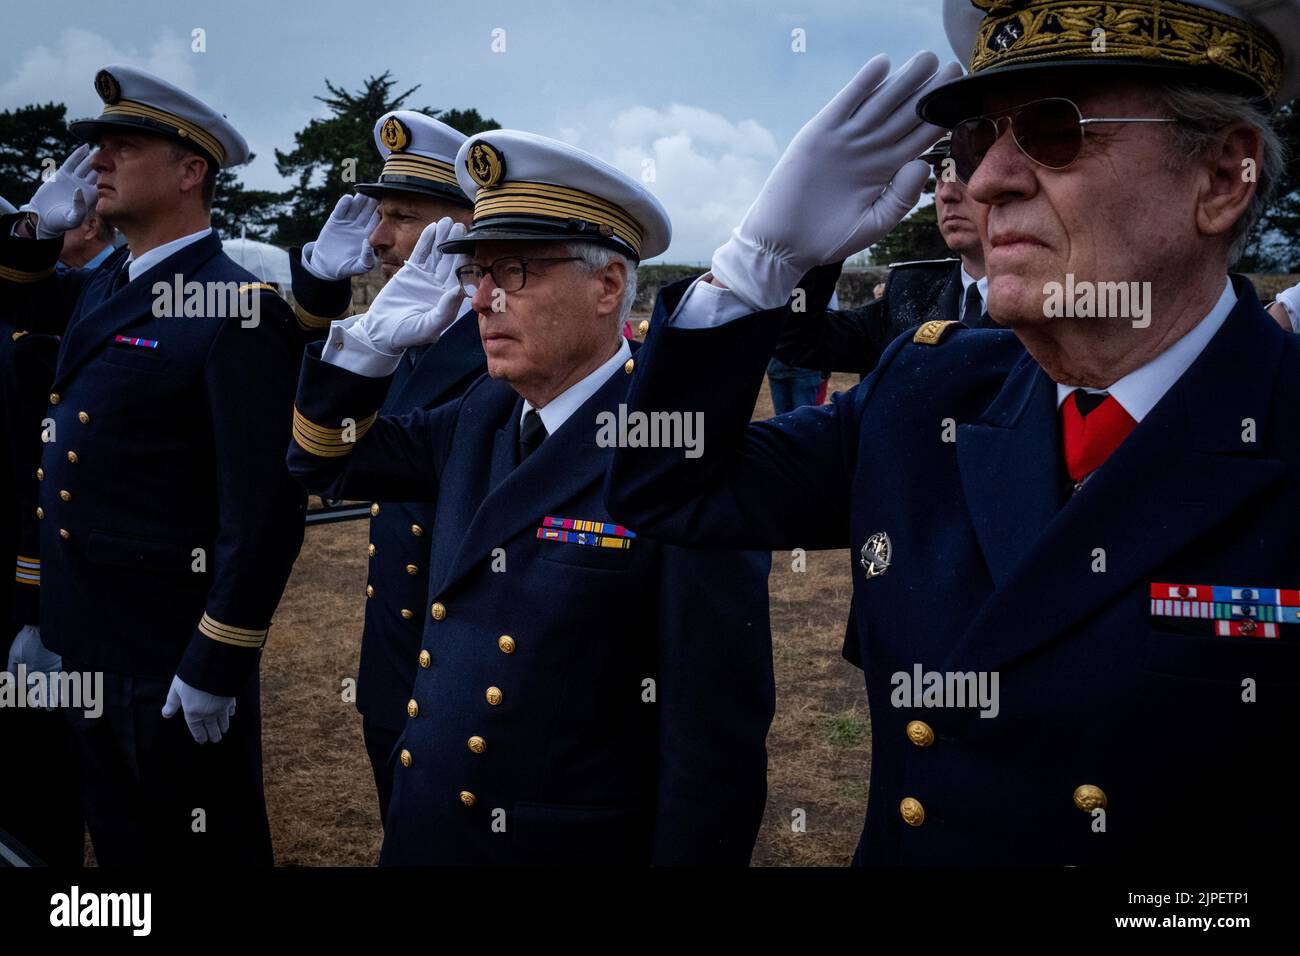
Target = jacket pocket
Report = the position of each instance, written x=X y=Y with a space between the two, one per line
x=140 y=553
x=547 y=834
x=140 y=359
x=1269 y=660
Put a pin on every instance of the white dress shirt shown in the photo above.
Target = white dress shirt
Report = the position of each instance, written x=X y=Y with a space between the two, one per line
x=1140 y=390
x=137 y=267
x=558 y=410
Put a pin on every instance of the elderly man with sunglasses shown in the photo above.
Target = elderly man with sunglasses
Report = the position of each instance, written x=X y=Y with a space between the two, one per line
x=1076 y=580
x=580 y=696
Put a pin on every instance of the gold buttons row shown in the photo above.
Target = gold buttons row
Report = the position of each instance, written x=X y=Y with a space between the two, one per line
x=1087 y=798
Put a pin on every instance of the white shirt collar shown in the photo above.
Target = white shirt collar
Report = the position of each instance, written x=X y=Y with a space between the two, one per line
x=558 y=409
x=157 y=254
x=967 y=280
x=1140 y=390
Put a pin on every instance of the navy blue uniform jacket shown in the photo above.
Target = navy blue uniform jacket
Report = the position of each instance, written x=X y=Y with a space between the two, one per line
x=571 y=704
x=992 y=571
x=168 y=521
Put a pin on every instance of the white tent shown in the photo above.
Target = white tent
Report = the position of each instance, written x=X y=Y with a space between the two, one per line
x=269 y=263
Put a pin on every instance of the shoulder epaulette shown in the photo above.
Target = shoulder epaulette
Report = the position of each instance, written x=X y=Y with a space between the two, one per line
x=932 y=332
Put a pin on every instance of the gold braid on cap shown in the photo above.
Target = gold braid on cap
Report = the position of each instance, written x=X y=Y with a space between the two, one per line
x=421 y=167
x=1029 y=31
x=184 y=128
x=557 y=202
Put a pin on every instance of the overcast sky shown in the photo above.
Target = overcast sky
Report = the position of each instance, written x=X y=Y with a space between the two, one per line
x=710 y=90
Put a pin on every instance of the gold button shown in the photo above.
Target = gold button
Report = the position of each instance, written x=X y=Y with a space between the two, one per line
x=412 y=569
x=40 y=474
x=493 y=695
x=406 y=757
x=407 y=613
x=416 y=530
x=370 y=590
x=627 y=366
x=425 y=659
x=912 y=811
x=439 y=610
x=644 y=327
x=65 y=496
x=54 y=398
x=477 y=744
x=506 y=643
x=65 y=534
x=83 y=418
x=412 y=708
x=1088 y=798
x=919 y=732
x=374 y=510
x=72 y=457
x=40 y=512
x=370 y=550
x=468 y=798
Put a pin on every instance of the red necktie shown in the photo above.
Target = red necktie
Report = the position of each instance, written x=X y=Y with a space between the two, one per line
x=1090 y=436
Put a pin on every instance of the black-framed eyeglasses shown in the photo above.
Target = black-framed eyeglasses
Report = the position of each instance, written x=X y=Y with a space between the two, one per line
x=509 y=273
x=1049 y=131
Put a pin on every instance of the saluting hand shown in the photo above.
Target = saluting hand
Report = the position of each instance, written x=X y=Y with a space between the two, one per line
x=64 y=201
x=846 y=179
x=343 y=247
x=421 y=300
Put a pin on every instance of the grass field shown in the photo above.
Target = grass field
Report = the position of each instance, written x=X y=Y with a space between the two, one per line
x=318 y=782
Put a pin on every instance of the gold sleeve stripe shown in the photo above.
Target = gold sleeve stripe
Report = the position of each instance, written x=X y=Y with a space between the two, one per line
x=250 y=286
x=28 y=570
x=311 y=322
x=183 y=126
x=226 y=634
x=327 y=442
x=17 y=275
x=423 y=167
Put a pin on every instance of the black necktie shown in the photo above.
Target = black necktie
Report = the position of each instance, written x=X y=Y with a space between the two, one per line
x=531 y=433
x=974 y=307
x=1087 y=401
x=123 y=276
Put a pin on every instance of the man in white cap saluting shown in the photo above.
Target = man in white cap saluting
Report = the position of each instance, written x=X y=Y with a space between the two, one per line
x=580 y=695
x=1075 y=571
x=168 y=523
x=417 y=186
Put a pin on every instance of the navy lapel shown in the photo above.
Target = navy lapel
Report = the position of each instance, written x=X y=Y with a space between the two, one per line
x=441 y=367
x=1016 y=435
x=564 y=464
x=948 y=303
x=1182 y=471
x=99 y=321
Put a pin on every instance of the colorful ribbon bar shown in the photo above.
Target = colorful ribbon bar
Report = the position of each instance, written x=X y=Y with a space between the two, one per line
x=584 y=538
x=142 y=343
x=582 y=524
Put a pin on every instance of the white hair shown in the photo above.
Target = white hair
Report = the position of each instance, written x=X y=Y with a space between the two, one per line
x=1204 y=115
x=596 y=257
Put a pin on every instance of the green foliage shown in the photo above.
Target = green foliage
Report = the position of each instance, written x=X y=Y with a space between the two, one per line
x=28 y=136
x=330 y=155
x=1275 y=245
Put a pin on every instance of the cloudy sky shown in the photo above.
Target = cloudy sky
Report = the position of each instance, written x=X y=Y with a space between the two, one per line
x=710 y=90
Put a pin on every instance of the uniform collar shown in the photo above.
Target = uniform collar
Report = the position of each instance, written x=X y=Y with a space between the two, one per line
x=558 y=409
x=967 y=280
x=1140 y=390
x=140 y=266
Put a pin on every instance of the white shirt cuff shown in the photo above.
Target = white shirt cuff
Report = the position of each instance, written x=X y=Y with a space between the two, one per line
x=351 y=350
x=707 y=306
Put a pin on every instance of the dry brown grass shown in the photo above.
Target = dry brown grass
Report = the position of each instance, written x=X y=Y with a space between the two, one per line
x=318 y=783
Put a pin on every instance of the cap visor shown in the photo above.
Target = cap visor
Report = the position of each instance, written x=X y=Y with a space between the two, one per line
x=446 y=193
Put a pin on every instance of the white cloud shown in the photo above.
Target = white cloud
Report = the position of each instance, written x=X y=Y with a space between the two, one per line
x=707 y=169
x=64 y=71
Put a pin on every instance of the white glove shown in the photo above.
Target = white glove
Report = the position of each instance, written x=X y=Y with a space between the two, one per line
x=343 y=247
x=846 y=179
x=1290 y=300
x=417 y=304
x=64 y=201
x=6 y=207
x=28 y=650
x=207 y=715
